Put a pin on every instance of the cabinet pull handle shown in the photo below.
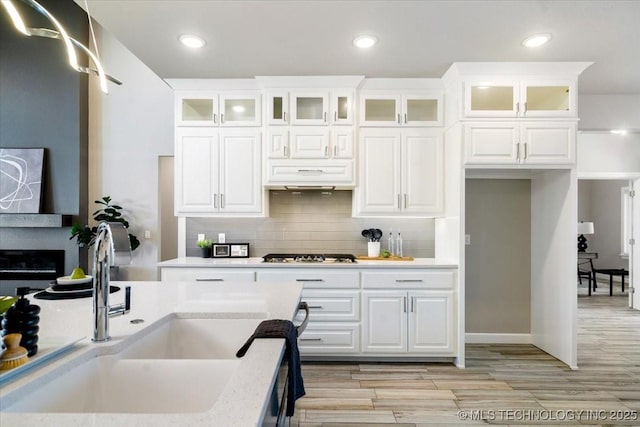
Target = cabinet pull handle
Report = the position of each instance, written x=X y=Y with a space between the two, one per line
x=399 y=200
x=326 y=151
x=405 y=118
x=398 y=118
x=209 y=280
x=221 y=200
x=311 y=339
x=404 y=303
x=215 y=201
x=309 y=280
x=335 y=116
x=525 y=150
x=335 y=151
x=517 y=108
x=284 y=116
x=408 y=280
x=318 y=171
x=215 y=122
x=517 y=151
x=221 y=118
x=405 y=200
x=285 y=151
x=319 y=307
x=524 y=112
x=325 y=116
x=412 y=299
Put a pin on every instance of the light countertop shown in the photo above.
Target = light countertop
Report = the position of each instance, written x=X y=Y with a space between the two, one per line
x=241 y=403
x=256 y=262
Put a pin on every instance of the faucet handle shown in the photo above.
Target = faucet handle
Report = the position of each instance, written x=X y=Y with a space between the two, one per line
x=127 y=299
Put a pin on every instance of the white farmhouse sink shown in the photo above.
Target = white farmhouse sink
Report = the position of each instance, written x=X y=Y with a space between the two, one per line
x=111 y=384
x=181 y=366
x=193 y=339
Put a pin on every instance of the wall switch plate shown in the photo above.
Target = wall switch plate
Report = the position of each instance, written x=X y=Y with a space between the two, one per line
x=467 y=239
x=147 y=234
x=200 y=236
x=221 y=238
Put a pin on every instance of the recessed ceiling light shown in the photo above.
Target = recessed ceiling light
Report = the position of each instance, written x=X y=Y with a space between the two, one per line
x=619 y=131
x=365 y=42
x=536 y=40
x=194 y=42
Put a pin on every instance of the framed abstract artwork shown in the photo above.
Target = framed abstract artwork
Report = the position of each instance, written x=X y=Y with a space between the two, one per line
x=21 y=174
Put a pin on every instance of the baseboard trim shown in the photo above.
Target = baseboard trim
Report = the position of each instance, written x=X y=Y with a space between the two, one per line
x=471 y=338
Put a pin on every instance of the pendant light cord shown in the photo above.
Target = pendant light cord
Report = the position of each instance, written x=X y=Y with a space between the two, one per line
x=93 y=35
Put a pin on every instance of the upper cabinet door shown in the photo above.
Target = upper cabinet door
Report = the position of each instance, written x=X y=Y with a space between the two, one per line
x=491 y=98
x=380 y=110
x=342 y=107
x=277 y=107
x=422 y=171
x=196 y=176
x=197 y=109
x=310 y=143
x=309 y=108
x=421 y=110
x=240 y=186
x=379 y=191
x=540 y=98
x=240 y=110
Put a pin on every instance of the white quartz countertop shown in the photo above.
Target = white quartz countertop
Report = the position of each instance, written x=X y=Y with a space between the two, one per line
x=241 y=403
x=256 y=262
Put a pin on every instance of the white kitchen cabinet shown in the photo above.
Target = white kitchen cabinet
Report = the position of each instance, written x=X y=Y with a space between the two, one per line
x=277 y=143
x=206 y=275
x=218 y=171
x=309 y=142
x=333 y=297
x=335 y=106
x=210 y=109
x=401 y=172
x=400 y=321
x=520 y=143
x=506 y=97
x=392 y=109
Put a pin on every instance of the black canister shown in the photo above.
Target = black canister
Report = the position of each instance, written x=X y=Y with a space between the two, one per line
x=23 y=318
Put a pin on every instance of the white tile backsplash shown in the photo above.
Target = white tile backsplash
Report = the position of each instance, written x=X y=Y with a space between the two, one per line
x=312 y=222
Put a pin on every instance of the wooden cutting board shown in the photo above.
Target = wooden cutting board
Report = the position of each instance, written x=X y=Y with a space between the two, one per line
x=379 y=258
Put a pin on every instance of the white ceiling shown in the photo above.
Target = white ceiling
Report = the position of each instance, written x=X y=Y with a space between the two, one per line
x=417 y=38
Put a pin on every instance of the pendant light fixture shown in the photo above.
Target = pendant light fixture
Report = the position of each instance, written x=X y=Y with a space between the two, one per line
x=61 y=34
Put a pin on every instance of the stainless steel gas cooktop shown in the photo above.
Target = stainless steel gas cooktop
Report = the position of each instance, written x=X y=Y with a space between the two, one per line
x=310 y=258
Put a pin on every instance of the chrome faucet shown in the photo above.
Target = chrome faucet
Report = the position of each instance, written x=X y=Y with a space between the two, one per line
x=112 y=247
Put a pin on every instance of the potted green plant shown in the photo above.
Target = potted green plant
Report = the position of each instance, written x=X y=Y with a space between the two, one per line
x=205 y=247
x=85 y=236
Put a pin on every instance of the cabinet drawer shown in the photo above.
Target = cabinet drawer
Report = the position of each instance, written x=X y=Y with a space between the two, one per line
x=336 y=305
x=330 y=338
x=418 y=279
x=311 y=278
x=207 y=275
x=327 y=171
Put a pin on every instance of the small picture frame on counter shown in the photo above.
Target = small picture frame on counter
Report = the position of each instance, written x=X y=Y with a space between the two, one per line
x=221 y=250
x=230 y=250
x=239 y=250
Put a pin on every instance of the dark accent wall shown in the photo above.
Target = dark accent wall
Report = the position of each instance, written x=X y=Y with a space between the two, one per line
x=44 y=103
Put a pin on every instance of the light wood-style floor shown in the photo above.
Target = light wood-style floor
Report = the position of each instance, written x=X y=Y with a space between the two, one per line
x=502 y=384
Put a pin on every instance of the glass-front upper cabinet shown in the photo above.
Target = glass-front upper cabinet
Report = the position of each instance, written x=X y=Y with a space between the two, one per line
x=240 y=110
x=342 y=107
x=309 y=108
x=199 y=109
x=401 y=109
x=520 y=98
x=277 y=107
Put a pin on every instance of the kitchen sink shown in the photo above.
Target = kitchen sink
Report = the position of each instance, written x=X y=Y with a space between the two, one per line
x=193 y=339
x=115 y=385
x=181 y=365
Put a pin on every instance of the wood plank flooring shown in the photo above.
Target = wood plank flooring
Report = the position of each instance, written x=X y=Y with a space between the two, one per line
x=502 y=384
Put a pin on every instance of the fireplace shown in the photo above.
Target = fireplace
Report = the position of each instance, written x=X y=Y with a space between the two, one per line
x=33 y=268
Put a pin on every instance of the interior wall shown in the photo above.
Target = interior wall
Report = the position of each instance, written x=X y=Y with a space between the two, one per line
x=606 y=112
x=499 y=257
x=129 y=129
x=44 y=104
x=311 y=221
x=168 y=220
